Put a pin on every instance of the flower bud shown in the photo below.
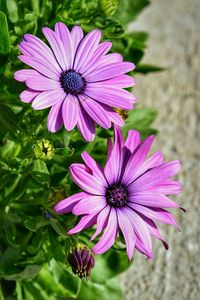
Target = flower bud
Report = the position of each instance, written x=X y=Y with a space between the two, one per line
x=81 y=260
x=44 y=149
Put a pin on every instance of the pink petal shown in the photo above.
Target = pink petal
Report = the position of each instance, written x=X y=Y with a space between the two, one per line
x=109 y=148
x=85 y=222
x=97 y=170
x=140 y=229
x=113 y=166
x=111 y=58
x=121 y=81
x=48 y=98
x=109 y=235
x=90 y=205
x=113 y=115
x=44 y=49
x=136 y=160
x=85 y=125
x=86 y=49
x=155 y=176
x=39 y=65
x=158 y=214
x=133 y=140
x=154 y=161
x=95 y=111
x=55 y=120
x=77 y=35
x=41 y=83
x=141 y=248
x=86 y=181
x=57 y=46
x=167 y=188
x=70 y=112
x=102 y=220
x=111 y=96
x=154 y=231
x=64 y=36
x=95 y=60
x=110 y=71
x=30 y=49
x=65 y=206
x=33 y=40
x=28 y=96
x=127 y=231
x=106 y=61
x=152 y=199
x=23 y=75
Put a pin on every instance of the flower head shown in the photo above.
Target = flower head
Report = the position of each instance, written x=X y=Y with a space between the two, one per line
x=76 y=78
x=129 y=194
x=81 y=260
x=44 y=149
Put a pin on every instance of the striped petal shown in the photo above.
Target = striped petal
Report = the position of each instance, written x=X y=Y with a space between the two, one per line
x=70 y=112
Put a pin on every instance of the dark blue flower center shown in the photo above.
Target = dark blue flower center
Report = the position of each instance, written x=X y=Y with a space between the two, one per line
x=72 y=82
x=117 y=195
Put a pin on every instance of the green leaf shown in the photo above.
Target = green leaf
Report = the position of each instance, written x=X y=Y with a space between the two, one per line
x=109 y=291
x=141 y=119
x=40 y=171
x=34 y=291
x=145 y=68
x=8 y=120
x=19 y=290
x=1 y=294
x=8 y=258
x=66 y=279
x=58 y=227
x=29 y=272
x=8 y=219
x=10 y=150
x=36 y=6
x=55 y=247
x=5 y=46
x=109 y=265
x=12 y=10
x=34 y=223
x=129 y=9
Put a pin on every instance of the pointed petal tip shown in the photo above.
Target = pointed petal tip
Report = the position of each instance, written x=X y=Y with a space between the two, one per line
x=183 y=209
x=165 y=244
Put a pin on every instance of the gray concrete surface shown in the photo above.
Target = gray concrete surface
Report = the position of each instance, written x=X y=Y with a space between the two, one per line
x=175 y=43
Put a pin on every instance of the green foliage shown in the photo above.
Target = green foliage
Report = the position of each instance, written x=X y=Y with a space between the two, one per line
x=34 y=241
x=141 y=119
x=5 y=46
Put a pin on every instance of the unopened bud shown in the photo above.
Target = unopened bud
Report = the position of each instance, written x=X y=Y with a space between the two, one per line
x=81 y=260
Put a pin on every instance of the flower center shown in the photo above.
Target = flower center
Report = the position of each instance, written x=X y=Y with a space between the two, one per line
x=117 y=195
x=72 y=82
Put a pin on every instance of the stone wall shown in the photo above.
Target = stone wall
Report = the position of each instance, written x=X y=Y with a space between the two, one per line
x=174 y=27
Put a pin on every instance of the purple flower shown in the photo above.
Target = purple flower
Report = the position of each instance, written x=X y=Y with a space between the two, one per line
x=129 y=194
x=76 y=78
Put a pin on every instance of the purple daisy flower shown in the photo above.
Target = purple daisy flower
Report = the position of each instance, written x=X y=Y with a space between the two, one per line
x=129 y=194
x=76 y=78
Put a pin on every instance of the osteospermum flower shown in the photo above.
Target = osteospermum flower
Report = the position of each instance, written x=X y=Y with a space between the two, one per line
x=129 y=194
x=76 y=78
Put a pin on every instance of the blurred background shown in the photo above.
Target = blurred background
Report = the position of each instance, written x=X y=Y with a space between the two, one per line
x=174 y=43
